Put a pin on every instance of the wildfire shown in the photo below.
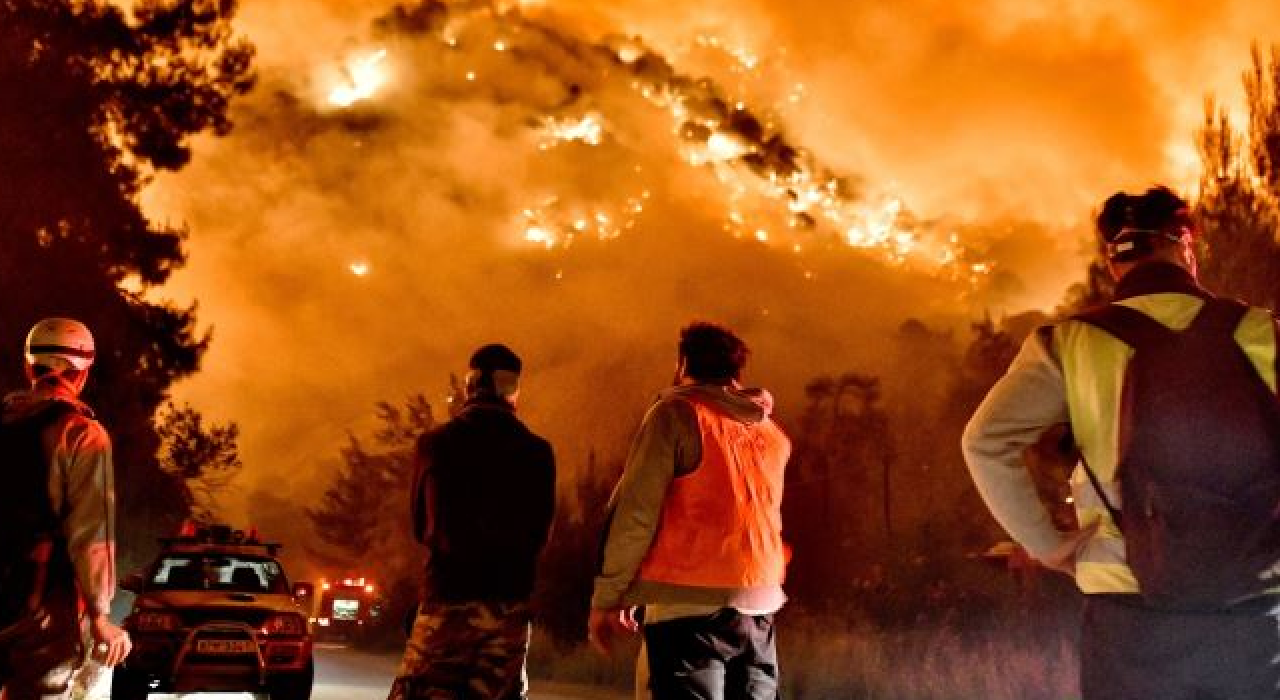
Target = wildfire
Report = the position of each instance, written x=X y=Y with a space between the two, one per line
x=588 y=129
x=776 y=192
x=536 y=233
x=747 y=59
x=553 y=223
x=364 y=77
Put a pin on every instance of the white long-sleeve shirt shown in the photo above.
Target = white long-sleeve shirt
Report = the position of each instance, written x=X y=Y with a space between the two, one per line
x=1029 y=399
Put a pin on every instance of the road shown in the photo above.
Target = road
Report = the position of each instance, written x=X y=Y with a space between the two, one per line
x=344 y=674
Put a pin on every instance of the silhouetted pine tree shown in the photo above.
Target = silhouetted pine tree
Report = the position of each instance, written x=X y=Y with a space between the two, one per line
x=92 y=102
x=1239 y=205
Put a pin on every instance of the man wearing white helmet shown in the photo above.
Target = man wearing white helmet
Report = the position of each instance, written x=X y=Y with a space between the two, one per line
x=57 y=549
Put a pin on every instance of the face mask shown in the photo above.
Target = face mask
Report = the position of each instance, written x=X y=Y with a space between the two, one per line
x=502 y=382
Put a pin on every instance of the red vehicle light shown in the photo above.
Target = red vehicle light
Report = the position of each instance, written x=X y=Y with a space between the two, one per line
x=286 y=624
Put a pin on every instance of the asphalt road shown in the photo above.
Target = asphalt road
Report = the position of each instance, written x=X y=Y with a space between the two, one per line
x=345 y=674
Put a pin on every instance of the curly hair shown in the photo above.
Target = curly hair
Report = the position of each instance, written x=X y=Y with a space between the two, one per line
x=712 y=353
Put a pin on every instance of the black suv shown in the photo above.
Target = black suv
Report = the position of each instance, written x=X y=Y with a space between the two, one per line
x=215 y=613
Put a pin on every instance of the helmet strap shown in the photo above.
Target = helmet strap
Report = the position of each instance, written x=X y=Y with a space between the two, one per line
x=60 y=379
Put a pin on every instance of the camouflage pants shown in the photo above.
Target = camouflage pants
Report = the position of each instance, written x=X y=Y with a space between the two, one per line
x=465 y=651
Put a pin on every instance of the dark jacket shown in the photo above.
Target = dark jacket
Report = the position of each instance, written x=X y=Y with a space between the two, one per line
x=483 y=499
x=81 y=486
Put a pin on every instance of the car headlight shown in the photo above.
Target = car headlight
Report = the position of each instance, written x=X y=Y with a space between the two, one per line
x=286 y=624
x=156 y=622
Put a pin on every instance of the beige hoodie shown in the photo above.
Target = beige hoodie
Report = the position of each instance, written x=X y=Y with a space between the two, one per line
x=81 y=489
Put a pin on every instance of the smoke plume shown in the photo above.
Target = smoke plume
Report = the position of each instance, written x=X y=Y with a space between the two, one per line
x=579 y=180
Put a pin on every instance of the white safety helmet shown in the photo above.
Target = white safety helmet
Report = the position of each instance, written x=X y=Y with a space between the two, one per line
x=60 y=344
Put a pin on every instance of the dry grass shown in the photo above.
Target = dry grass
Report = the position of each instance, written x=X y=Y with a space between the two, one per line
x=1016 y=657
x=998 y=663
x=582 y=665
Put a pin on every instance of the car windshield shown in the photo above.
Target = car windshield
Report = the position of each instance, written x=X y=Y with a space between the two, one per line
x=219 y=572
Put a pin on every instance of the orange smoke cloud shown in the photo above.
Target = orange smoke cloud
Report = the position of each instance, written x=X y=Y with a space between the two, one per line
x=346 y=256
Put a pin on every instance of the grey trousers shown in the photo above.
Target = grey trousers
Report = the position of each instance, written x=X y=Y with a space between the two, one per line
x=725 y=656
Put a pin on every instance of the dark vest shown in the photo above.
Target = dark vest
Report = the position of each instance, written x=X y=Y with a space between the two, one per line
x=34 y=562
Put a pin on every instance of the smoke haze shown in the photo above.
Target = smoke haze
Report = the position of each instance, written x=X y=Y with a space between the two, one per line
x=1002 y=123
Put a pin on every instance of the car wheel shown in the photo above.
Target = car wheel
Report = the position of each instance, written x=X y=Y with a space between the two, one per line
x=127 y=685
x=294 y=686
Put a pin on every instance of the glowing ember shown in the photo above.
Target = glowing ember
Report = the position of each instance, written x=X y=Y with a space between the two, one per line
x=588 y=129
x=553 y=224
x=359 y=268
x=722 y=146
x=773 y=190
x=540 y=235
x=364 y=77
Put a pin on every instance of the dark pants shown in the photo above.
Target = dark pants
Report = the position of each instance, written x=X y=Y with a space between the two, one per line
x=1129 y=651
x=725 y=656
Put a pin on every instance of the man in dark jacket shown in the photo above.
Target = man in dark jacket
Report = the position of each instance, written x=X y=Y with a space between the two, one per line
x=483 y=498
x=57 y=518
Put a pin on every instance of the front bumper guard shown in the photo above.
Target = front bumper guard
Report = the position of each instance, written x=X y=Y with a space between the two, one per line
x=228 y=631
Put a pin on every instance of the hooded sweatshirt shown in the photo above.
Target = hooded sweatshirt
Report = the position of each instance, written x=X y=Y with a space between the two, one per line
x=668 y=445
x=81 y=489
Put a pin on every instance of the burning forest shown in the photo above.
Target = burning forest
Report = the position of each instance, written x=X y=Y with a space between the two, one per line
x=304 y=215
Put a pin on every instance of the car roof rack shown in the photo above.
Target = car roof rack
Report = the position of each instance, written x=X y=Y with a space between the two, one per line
x=218 y=535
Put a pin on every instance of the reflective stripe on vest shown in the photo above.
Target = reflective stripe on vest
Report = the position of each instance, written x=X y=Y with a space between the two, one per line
x=1093 y=365
x=721 y=525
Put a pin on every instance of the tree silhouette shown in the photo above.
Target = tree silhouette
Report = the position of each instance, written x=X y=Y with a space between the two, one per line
x=833 y=510
x=362 y=521
x=567 y=569
x=206 y=459
x=91 y=104
x=1239 y=204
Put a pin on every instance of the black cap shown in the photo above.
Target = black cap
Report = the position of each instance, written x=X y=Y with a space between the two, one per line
x=495 y=356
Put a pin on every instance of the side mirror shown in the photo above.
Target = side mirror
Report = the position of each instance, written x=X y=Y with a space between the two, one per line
x=303 y=591
x=134 y=583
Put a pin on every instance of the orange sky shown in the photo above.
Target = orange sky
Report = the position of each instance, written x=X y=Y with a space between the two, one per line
x=1007 y=120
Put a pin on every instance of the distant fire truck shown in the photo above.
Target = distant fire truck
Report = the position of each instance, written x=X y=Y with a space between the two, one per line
x=349 y=609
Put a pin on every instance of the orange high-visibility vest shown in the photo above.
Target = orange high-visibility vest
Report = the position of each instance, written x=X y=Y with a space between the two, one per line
x=721 y=525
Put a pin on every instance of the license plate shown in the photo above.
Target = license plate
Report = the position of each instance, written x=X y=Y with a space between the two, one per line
x=225 y=646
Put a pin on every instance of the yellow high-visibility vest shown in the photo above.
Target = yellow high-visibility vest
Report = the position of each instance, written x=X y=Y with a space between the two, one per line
x=1093 y=366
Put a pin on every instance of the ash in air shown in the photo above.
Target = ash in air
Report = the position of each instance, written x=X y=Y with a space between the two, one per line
x=774 y=190
x=459 y=173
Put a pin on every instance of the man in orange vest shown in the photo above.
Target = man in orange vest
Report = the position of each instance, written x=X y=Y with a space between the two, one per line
x=695 y=531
